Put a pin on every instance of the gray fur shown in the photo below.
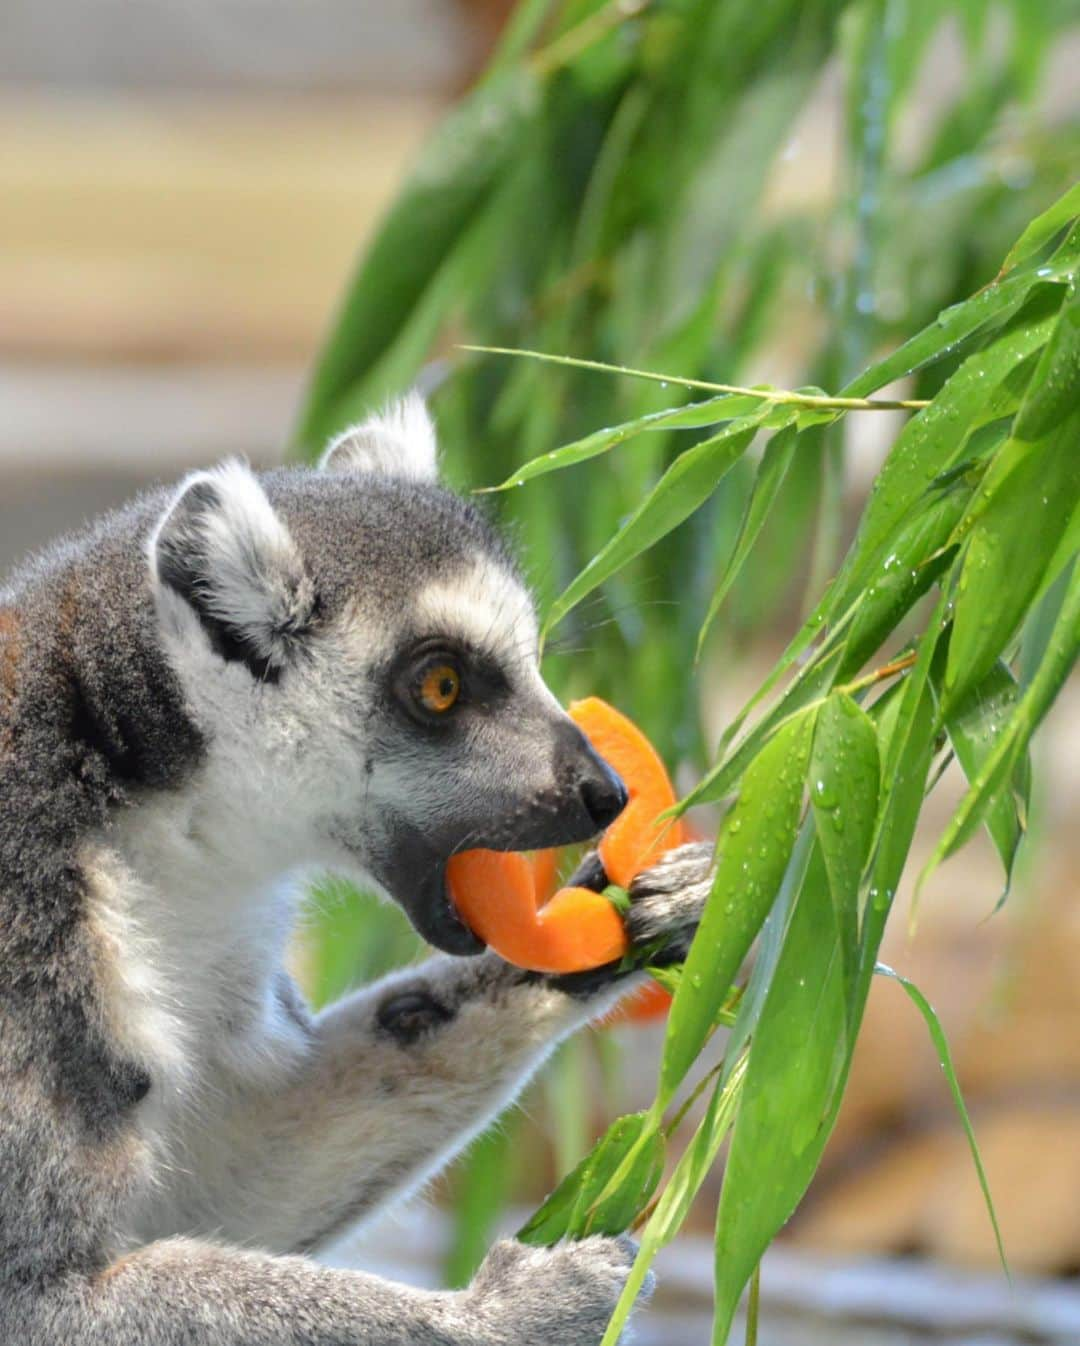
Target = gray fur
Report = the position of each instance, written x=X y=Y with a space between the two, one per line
x=199 y=695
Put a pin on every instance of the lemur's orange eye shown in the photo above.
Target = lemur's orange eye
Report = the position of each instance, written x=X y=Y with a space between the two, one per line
x=439 y=688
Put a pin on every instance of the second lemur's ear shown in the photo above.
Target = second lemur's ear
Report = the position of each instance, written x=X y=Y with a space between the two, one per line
x=399 y=442
x=222 y=551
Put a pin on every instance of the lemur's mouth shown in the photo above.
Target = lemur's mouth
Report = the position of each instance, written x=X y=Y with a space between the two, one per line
x=413 y=868
x=413 y=872
x=432 y=914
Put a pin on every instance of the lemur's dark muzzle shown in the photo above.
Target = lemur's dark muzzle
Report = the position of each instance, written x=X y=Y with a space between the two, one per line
x=600 y=790
x=580 y=797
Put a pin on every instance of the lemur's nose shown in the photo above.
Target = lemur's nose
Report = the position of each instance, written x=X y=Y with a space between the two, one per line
x=603 y=794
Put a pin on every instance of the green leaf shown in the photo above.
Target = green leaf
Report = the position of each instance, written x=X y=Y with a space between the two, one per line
x=456 y=172
x=796 y=1066
x=844 y=777
x=916 y=559
x=1022 y=515
x=906 y=735
x=580 y=1204
x=674 y=1204
x=813 y=682
x=932 y=442
x=683 y=488
x=697 y=414
x=768 y=479
x=974 y=727
x=769 y=945
x=907 y=723
x=941 y=1044
x=1043 y=228
x=1039 y=695
x=752 y=853
x=1055 y=385
x=993 y=303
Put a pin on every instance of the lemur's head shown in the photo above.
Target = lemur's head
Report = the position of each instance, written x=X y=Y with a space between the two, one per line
x=361 y=654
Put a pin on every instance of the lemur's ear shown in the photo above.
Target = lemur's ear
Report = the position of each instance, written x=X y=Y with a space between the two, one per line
x=399 y=442
x=223 y=552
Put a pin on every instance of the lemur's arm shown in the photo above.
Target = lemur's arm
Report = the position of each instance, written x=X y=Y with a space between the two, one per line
x=179 y=1291
x=395 y=1079
x=401 y=1075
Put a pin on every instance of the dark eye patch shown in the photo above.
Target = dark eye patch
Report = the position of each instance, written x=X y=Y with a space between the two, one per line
x=483 y=680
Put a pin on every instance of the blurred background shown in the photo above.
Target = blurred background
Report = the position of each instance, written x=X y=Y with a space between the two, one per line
x=184 y=189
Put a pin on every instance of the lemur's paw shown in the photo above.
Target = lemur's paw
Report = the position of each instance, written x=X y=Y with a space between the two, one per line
x=537 y=1296
x=667 y=900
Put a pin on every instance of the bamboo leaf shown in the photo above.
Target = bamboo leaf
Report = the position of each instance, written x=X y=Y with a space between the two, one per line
x=933 y=441
x=916 y=558
x=683 y=488
x=844 y=778
x=974 y=727
x=814 y=681
x=1043 y=228
x=941 y=1045
x=675 y=1200
x=995 y=302
x=454 y=176
x=572 y=1209
x=752 y=853
x=1055 y=385
x=696 y=414
x=992 y=777
x=1023 y=514
x=768 y=479
x=906 y=736
x=795 y=1068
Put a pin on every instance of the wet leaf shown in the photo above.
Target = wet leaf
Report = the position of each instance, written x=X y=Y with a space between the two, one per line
x=685 y=1182
x=1022 y=515
x=1055 y=384
x=795 y=1069
x=694 y=415
x=843 y=779
x=1043 y=228
x=580 y=1204
x=997 y=769
x=974 y=727
x=752 y=853
x=993 y=303
x=932 y=442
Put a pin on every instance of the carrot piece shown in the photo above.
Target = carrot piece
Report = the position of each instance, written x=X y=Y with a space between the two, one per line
x=635 y=840
x=579 y=930
x=498 y=893
x=647 y=1003
x=494 y=892
x=545 y=867
x=496 y=896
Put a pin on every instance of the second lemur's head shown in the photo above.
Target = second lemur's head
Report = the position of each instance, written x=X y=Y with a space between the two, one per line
x=360 y=653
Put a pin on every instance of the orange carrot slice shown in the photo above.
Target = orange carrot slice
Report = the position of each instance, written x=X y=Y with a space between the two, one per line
x=545 y=868
x=496 y=892
x=642 y=1005
x=635 y=840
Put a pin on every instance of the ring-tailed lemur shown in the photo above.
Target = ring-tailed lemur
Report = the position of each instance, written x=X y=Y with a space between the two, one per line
x=199 y=696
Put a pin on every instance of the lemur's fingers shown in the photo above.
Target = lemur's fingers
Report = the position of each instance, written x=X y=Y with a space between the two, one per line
x=536 y=1296
x=667 y=900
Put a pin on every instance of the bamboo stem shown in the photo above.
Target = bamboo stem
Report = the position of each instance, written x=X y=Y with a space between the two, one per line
x=775 y=395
